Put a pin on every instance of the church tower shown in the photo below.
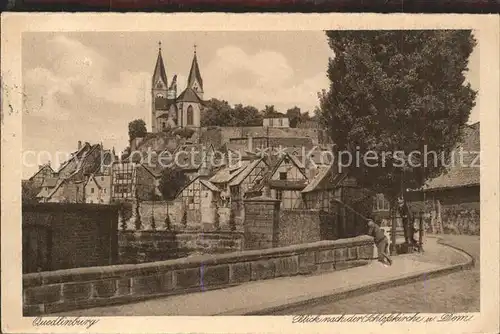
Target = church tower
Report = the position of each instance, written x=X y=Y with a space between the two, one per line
x=159 y=89
x=190 y=101
x=194 y=81
x=163 y=98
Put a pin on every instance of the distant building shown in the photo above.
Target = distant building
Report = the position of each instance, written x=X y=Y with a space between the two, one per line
x=130 y=181
x=68 y=191
x=98 y=189
x=452 y=199
x=244 y=181
x=200 y=199
x=48 y=185
x=276 y=122
x=44 y=171
x=284 y=181
x=169 y=109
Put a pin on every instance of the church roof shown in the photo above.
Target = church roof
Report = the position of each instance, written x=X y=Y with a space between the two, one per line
x=189 y=95
x=163 y=103
x=160 y=69
x=194 y=73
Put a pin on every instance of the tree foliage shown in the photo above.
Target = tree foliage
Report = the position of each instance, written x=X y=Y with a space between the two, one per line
x=171 y=182
x=220 y=113
x=185 y=133
x=29 y=192
x=397 y=91
x=137 y=129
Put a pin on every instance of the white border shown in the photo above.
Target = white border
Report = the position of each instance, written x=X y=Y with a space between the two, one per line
x=14 y=24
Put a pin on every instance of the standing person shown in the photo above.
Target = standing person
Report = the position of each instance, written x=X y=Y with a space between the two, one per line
x=381 y=242
x=408 y=227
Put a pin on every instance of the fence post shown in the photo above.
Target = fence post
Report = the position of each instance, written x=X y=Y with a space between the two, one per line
x=420 y=232
x=393 y=236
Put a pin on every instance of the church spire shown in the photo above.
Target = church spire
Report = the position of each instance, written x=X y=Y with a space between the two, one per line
x=194 y=75
x=159 y=72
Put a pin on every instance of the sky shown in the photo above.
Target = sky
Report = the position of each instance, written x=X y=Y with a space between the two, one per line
x=89 y=85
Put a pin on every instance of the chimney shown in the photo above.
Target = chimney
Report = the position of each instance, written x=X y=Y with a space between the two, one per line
x=79 y=144
x=250 y=143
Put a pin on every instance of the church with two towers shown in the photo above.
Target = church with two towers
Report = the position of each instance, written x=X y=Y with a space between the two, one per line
x=170 y=110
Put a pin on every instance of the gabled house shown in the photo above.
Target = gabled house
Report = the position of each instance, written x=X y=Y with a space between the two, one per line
x=195 y=159
x=334 y=192
x=283 y=181
x=130 y=181
x=98 y=189
x=68 y=183
x=200 y=200
x=68 y=191
x=452 y=199
x=44 y=171
x=46 y=189
x=243 y=182
x=224 y=176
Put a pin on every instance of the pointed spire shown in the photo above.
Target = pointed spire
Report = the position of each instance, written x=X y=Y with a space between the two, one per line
x=194 y=73
x=159 y=68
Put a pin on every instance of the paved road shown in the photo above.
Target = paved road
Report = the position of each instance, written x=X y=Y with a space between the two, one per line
x=457 y=292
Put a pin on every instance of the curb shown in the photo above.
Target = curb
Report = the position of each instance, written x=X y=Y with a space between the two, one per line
x=372 y=287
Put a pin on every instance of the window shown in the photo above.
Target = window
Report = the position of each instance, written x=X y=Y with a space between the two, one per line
x=280 y=122
x=124 y=176
x=380 y=203
x=191 y=200
x=190 y=115
x=91 y=190
x=282 y=175
x=164 y=125
x=279 y=195
x=104 y=190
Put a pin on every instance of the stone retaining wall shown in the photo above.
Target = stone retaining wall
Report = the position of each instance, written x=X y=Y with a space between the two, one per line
x=149 y=246
x=63 y=290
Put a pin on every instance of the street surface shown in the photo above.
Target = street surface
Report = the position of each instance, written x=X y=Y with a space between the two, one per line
x=456 y=292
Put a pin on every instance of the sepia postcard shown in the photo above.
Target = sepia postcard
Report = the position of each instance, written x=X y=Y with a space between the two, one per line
x=250 y=173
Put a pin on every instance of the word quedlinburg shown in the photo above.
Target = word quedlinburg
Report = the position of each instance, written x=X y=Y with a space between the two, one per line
x=383 y=318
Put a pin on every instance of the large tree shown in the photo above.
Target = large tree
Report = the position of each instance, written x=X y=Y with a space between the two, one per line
x=137 y=129
x=396 y=91
x=216 y=112
x=294 y=116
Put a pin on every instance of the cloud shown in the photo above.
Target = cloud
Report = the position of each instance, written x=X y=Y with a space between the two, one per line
x=265 y=77
x=75 y=67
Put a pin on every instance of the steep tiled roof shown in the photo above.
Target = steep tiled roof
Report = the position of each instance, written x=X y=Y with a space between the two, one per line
x=243 y=175
x=77 y=155
x=42 y=168
x=458 y=174
x=50 y=182
x=228 y=173
x=194 y=73
x=209 y=185
x=160 y=69
x=189 y=95
x=328 y=177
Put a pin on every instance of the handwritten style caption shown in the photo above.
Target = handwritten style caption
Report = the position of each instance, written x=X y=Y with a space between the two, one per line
x=64 y=322
x=384 y=318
